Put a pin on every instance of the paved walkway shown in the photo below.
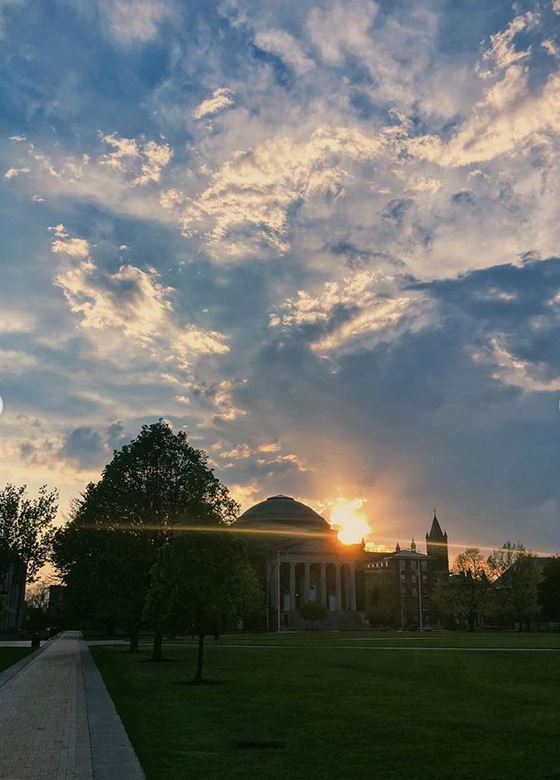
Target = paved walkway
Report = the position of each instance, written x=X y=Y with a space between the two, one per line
x=58 y=721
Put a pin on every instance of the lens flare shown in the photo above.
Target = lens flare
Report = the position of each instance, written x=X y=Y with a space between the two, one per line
x=346 y=518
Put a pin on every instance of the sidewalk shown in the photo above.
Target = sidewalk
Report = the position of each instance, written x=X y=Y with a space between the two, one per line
x=58 y=721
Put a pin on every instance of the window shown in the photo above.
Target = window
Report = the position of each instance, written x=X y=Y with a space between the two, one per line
x=414 y=593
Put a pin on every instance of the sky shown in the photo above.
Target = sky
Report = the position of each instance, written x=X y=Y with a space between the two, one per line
x=320 y=237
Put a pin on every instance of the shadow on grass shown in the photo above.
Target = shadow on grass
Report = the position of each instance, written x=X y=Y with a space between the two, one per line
x=199 y=683
x=262 y=744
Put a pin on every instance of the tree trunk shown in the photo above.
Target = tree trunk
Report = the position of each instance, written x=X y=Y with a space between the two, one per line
x=133 y=646
x=200 y=660
x=156 y=650
x=471 y=622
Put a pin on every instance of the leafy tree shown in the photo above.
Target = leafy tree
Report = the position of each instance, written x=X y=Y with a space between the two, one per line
x=36 y=610
x=312 y=611
x=106 y=552
x=25 y=530
x=464 y=594
x=382 y=605
x=549 y=589
x=517 y=575
x=202 y=583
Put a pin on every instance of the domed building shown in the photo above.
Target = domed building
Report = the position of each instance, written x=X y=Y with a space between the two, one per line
x=300 y=559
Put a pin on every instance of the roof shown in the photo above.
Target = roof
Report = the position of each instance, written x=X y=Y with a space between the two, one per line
x=435 y=530
x=283 y=512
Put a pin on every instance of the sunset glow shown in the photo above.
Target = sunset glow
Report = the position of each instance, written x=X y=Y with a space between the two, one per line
x=345 y=516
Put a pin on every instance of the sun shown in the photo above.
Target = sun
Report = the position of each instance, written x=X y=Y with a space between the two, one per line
x=346 y=518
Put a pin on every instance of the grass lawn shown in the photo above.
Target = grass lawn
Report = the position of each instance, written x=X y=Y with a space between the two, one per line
x=10 y=655
x=345 y=706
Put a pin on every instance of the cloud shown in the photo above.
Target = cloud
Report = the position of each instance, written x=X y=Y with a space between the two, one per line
x=515 y=372
x=515 y=112
x=14 y=361
x=354 y=312
x=342 y=28
x=501 y=52
x=247 y=204
x=221 y=98
x=16 y=320
x=11 y=173
x=65 y=244
x=135 y=21
x=132 y=303
x=285 y=46
x=150 y=156
x=84 y=446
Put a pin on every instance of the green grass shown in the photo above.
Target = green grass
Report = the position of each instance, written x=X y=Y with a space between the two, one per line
x=340 y=706
x=10 y=655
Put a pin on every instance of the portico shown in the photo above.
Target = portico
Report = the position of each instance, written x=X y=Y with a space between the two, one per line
x=304 y=562
x=332 y=583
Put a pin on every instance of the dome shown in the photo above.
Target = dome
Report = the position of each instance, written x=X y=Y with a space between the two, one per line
x=279 y=512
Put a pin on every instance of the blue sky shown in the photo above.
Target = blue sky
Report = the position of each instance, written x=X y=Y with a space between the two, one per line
x=321 y=237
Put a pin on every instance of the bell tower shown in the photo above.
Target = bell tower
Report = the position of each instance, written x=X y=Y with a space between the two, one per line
x=436 y=545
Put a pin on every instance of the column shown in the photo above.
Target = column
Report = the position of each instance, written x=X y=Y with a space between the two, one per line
x=338 y=587
x=324 y=585
x=352 y=571
x=306 y=581
x=292 y=585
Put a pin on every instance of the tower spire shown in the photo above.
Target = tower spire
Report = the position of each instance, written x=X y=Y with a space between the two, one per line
x=436 y=544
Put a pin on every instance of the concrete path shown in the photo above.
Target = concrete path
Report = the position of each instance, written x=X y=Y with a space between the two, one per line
x=58 y=721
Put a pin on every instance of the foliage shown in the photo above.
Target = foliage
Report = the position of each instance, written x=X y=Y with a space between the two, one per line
x=313 y=611
x=26 y=528
x=549 y=589
x=464 y=593
x=382 y=605
x=499 y=561
x=202 y=583
x=515 y=593
x=106 y=552
x=36 y=617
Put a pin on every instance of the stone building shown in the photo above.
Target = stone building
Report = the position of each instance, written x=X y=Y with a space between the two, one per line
x=299 y=559
x=398 y=586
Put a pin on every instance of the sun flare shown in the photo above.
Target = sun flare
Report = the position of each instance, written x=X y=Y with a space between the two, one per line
x=345 y=516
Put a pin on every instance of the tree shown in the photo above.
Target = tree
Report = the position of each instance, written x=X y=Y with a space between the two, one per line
x=517 y=575
x=312 y=611
x=106 y=552
x=464 y=594
x=36 y=610
x=549 y=589
x=382 y=605
x=202 y=582
x=25 y=530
